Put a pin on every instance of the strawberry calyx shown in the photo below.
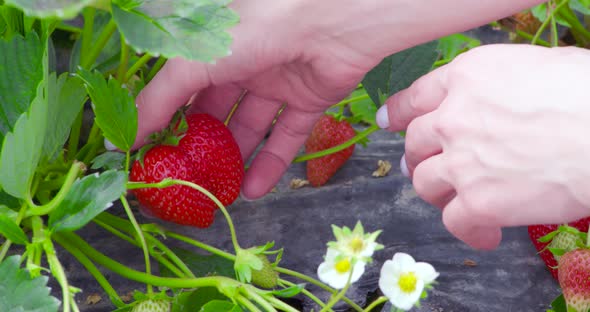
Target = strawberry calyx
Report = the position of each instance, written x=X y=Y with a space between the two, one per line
x=170 y=135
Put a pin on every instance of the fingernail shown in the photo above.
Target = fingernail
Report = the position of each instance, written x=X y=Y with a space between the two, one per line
x=404 y=167
x=109 y=146
x=244 y=198
x=382 y=117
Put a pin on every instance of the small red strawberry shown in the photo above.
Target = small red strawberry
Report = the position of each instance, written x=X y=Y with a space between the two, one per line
x=206 y=154
x=179 y=204
x=574 y=279
x=215 y=155
x=540 y=230
x=327 y=132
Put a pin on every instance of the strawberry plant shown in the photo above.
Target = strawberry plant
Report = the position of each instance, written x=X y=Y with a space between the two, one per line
x=57 y=177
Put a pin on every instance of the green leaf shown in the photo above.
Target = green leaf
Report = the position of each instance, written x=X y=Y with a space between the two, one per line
x=9 y=213
x=453 y=45
x=86 y=199
x=289 y=292
x=109 y=160
x=8 y=200
x=582 y=6
x=21 y=71
x=190 y=301
x=22 y=148
x=63 y=9
x=20 y=292
x=220 y=306
x=66 y=99
x=363 y=110
x=114 y=107
x=12 y=231
x=192 y=29
x=399 y=71
x=559 y=304
x=108 y=58
x=202 y=265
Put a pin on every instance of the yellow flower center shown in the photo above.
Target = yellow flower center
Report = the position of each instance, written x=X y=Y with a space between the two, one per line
x=357 y=245
x=407 y=282
x=342 y=266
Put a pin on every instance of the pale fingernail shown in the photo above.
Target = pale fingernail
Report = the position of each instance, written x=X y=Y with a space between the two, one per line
x=404 y=167
x=382 y=117
x=109 y=146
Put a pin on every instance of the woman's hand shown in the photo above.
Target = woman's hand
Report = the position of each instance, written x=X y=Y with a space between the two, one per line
x=499 y=137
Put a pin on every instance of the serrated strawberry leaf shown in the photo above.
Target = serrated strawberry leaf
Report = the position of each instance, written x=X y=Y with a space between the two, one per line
x=22 y=148
x=86 y=199
x=363 y=110
x=13 y=232
x=398 y=71
x=190 y=301
x=114 y=107
x=220 y=306
x=109 y=161
x=10 y=201
x=20 y=292
x=195 y=30
x=558 y=304
x=455 y=44
x=66 y=97
x=22 y=55
x=63 y=9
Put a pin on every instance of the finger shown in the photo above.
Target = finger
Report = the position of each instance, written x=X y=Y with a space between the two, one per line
x=216 y=101
x=288 y=135
x=252 y=121
x=421 y=141
x=476 y=231
x=170 y=89
x=430 y=183
x=422 y=97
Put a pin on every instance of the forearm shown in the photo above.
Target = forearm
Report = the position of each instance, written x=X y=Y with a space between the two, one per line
x=378 y=28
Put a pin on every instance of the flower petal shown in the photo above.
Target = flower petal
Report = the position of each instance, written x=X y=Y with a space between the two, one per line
x=425 y=272
x=406 y=301
x=403 y=261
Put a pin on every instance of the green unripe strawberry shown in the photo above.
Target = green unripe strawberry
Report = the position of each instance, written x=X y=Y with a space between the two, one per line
x=266 y=277
x=152 y=305
x=564 y=241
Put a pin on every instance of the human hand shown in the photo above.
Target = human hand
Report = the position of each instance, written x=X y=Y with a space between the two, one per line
x=305 y=54
x=497 y=138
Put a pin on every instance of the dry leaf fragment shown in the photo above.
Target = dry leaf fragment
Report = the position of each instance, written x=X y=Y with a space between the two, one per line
x=383 y=168
x=298 y=183
x=128 y=297
x=93 y=299
x=469 y=262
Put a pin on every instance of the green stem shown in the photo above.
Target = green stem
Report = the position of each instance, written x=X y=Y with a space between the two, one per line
x=170 y=182
x=375 y=303
x=306 y=292
x=258 y=299
x=546 y=23
x=522 y=34
x=142 y=277
x=203 y=246
x=142 y=61
x=247 y=304
x=338 y=148
x=69 y=28
x=87 y=32
x=124 y=61
x=101 y=42
x=58 y=272
x=580 y=32
x=127 y=161
x=92 y=269
x=155 y=69
x=281 y=305
x=350 y=100
x=75 y=170
x=139 y=232
x=319 y=284
x=554 y=34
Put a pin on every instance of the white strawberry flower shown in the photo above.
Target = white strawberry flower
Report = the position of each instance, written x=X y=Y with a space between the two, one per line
x=404 y=281
x=336 y=269
x=355 y=243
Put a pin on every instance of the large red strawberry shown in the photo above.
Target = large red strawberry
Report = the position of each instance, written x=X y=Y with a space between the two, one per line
x=540 y=230
x=207 y=155
x=215 y=155
x=574 y=279
x=327 y=132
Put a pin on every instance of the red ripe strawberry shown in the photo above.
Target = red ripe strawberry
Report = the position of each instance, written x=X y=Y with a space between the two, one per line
x=207 y=155
x=215 y=155
x=574 y=279
x=540 y=230
x=327 y=132
x=179 y=204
